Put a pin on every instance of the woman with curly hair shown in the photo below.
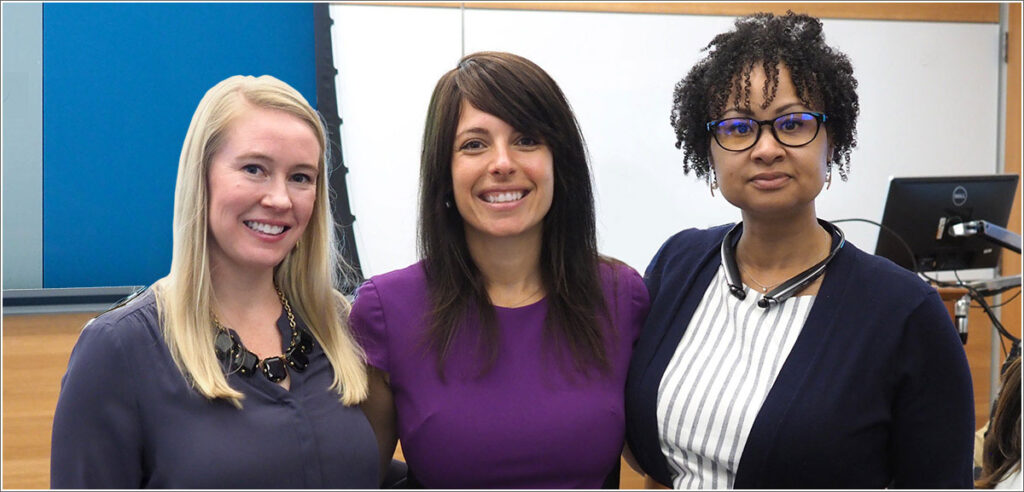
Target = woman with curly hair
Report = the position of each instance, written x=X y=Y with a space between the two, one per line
x=777 y=354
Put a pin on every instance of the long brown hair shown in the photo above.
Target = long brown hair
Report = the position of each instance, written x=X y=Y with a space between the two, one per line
x=520 y=93
x=1001 y=451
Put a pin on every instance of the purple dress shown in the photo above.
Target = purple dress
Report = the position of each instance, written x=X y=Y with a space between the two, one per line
x=532 y=421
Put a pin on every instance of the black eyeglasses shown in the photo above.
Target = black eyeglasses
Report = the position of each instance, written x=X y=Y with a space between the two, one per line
x=791 y=130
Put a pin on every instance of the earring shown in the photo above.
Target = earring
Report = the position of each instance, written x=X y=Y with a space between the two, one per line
x=713 y=182
x=828 y=178
x=447 y=204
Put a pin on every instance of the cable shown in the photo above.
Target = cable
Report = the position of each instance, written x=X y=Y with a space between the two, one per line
x=975 y=295
x=1001 y=304
x=980 y=299
x=910 y=252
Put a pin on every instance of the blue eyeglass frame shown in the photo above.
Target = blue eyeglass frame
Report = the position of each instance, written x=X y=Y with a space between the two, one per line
x=821 y=118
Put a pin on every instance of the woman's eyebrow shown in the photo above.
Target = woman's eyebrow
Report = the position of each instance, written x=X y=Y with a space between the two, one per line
x=253 y=155
x=474 y=130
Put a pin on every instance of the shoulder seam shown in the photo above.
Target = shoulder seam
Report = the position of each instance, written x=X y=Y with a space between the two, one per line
x=132 y=372
x=384 y=318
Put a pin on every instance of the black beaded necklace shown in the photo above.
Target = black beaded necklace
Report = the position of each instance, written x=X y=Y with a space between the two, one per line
x=237 y=358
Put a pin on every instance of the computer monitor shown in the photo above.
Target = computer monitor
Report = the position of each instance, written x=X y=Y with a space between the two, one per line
x=921 y=211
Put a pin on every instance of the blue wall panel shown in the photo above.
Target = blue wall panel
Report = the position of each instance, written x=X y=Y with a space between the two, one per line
x=120 y=83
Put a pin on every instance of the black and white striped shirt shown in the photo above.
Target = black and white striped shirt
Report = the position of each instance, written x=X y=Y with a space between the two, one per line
x=717 y=380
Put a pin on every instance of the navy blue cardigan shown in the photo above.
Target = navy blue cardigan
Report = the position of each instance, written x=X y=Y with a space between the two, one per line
x=875 y=393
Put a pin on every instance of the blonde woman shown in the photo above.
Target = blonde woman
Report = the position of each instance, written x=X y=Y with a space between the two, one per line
x=237 y=369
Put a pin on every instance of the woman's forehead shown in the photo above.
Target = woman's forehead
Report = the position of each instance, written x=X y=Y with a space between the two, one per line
x=752 y=88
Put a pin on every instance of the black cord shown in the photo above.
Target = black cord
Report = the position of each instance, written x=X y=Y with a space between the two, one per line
x=957 y=275
x=975 y=295
x=1001 y=304
x=980 y=299
x=910 y=252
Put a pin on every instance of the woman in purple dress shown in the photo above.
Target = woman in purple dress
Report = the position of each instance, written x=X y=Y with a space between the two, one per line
x=506 y=347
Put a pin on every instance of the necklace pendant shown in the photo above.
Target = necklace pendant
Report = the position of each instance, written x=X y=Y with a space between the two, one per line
x=297 y=359
x=246 y=361
x=274 y=369
x=223 y=345
x=764 y=289
x=305 y=342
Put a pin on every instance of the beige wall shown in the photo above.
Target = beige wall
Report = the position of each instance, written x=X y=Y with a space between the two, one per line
x=1011 y=262
x=953 y=12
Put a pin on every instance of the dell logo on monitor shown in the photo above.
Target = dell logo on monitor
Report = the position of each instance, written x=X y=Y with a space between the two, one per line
x=959 y=196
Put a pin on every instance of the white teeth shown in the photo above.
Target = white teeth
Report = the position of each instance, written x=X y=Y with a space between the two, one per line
x=509 y=196
x=264 y=228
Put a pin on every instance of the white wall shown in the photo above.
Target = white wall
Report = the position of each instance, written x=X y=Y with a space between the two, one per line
x=22 y=152
x=928 y=94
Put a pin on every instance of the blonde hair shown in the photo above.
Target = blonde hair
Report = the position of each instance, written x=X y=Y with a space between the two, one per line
x=307 y=276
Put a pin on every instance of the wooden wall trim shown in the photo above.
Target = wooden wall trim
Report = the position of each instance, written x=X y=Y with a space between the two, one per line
x=1011 y=314
x=935 y=12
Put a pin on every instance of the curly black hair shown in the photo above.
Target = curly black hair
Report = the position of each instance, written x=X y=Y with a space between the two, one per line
x=822 y=76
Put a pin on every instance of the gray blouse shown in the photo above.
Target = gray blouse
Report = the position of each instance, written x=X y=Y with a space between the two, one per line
x=127 y=418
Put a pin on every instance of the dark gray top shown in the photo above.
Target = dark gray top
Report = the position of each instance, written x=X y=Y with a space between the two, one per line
x=127 y=418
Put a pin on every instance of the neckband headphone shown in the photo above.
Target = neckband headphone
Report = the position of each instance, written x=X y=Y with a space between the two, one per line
x=787 y=289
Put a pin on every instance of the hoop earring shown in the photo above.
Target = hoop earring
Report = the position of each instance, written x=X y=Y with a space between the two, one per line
x=828 y=178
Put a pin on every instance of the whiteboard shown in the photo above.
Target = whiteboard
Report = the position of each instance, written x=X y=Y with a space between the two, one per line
x=928 y=96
